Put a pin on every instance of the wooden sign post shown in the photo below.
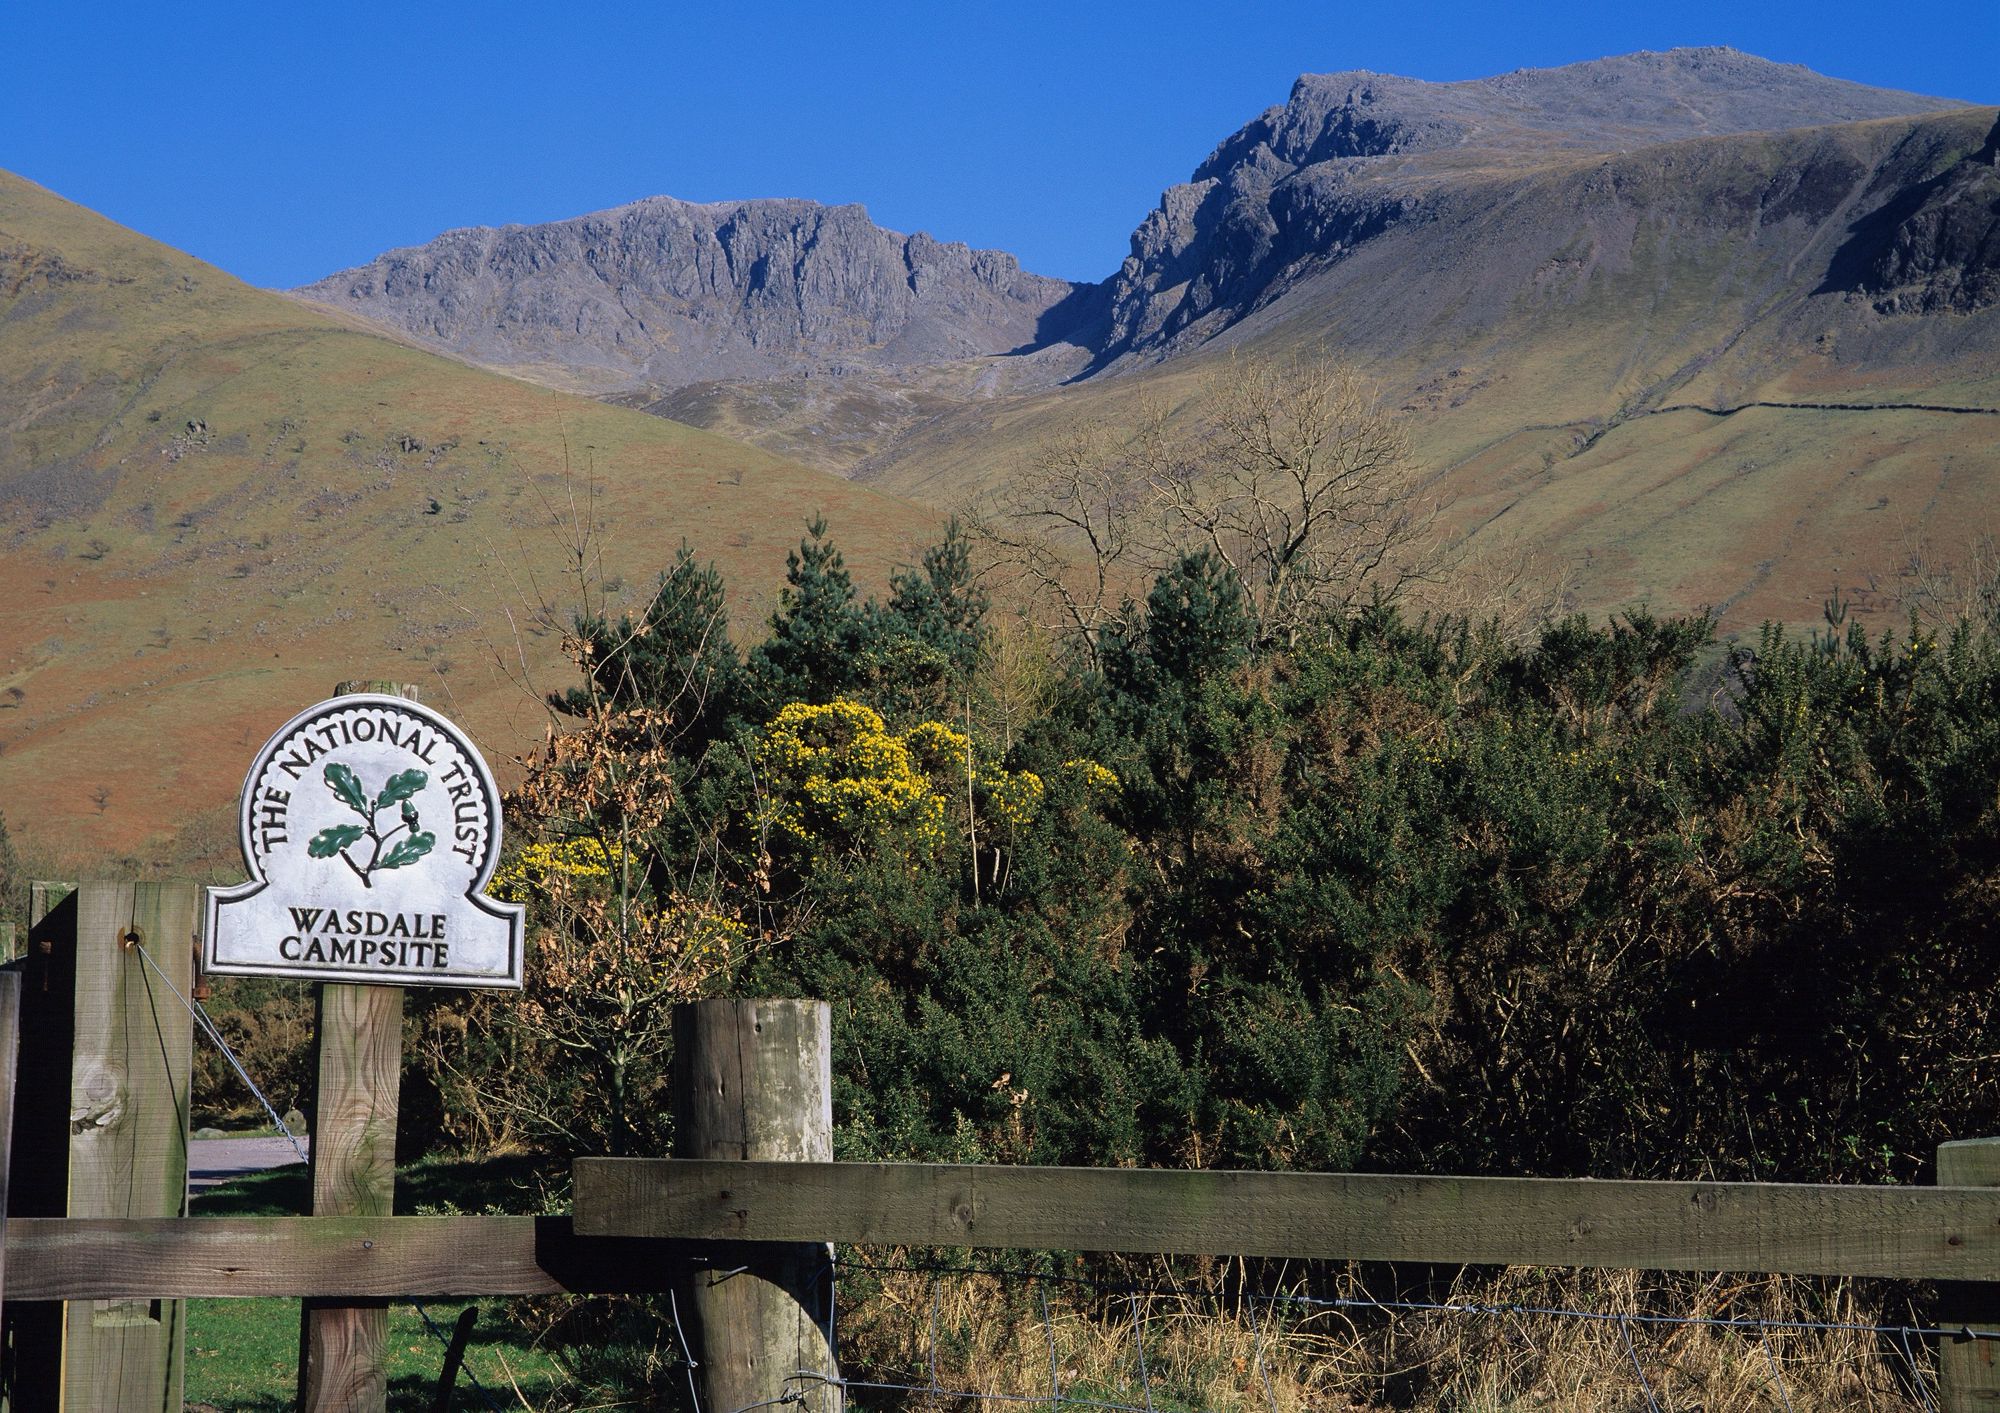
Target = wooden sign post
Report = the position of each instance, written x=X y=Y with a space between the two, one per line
x=358 y=1034
x=370 y=824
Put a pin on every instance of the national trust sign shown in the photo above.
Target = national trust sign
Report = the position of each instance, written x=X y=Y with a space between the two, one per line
x=370 y=824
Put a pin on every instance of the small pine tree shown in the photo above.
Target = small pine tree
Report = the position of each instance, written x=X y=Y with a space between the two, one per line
x=941 y=603
x=1196 y=624
x=819 y=634
x=928 y=641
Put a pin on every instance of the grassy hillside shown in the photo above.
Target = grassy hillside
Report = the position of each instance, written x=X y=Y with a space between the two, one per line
x=1569 y=343
x=216 y=502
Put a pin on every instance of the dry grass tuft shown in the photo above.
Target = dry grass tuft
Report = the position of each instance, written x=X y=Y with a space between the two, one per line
x=1552 y=1342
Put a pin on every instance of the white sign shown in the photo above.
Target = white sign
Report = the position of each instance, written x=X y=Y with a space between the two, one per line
x=370 y=824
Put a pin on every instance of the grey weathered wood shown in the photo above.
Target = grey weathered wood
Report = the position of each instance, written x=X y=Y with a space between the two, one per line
x=1968 y=1378
x=753 y=1079
x=359 y=1037
x=44 y=896
x=129 y=1065
x=10 y=1045
x=38 y=1165
x=111 y=1258
x=1911 y=1232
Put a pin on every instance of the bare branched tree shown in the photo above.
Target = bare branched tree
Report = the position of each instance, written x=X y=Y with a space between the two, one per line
x=1071 y=527
x=1947 y=585
x=1301 y=483
x=1515 y=587
x=1286 y=469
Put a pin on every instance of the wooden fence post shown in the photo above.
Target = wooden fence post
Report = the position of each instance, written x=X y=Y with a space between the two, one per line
x=1969 y=1369
x=129 y=1125
x=44 y=897
x=102 y=1132
x=359 y=1037
x=753 y=1079
x=31 y=1332
x=10 y=1046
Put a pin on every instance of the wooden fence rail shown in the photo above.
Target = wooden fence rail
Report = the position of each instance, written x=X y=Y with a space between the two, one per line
x=634 y=1215
x=118 y=1258
x=641 y=1223
x=1941 y=1233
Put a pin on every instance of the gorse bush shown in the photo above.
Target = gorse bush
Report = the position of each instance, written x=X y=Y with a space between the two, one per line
x=1372 y=892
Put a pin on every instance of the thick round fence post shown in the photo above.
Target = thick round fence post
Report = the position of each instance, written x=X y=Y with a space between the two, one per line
x=754 y=1079
x=1969 y=1369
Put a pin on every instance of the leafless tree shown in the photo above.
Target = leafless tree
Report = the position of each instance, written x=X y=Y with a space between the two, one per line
x=1071 y=528
x=1945 y=585
x=1302 y=484
x=1284 y=468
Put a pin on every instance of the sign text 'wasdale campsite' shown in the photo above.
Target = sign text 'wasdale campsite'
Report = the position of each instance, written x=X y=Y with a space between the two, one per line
x=370 y=824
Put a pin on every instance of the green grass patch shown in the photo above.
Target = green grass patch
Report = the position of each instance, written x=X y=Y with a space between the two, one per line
x=243 y=1354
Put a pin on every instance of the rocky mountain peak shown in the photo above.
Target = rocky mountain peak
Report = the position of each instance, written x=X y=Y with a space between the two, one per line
x=661 y=293
x=1346 y=154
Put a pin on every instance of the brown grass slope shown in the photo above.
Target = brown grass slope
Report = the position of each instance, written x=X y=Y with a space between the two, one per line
x=1582 y=346
x=216 y=502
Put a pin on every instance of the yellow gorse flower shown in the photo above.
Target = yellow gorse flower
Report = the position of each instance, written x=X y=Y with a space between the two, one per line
x=838 y=778
x=541 y=868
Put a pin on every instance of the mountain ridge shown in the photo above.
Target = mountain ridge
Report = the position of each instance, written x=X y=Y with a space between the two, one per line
x=838 y=358
x=1350 y=153
x=653 y=292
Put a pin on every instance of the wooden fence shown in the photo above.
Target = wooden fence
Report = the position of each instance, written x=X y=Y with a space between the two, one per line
x=757 y=1096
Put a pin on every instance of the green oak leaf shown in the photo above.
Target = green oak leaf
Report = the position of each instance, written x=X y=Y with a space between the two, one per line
x=345 y=784
x=329 y=842
x=401 y=786
x=408 y=851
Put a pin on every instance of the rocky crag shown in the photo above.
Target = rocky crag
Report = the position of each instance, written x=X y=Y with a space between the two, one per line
x=1628 y=217
x=664 y=293
x=1351 y=155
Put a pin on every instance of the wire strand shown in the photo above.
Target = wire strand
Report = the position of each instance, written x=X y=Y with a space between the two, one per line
x=202 y=1019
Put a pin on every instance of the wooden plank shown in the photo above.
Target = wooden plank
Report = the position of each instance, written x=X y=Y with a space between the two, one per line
x=1968 y=1377
x=754 y=1079
x=355 y=1258
x=10 y=1049
x=129 y=1068
x=1907 y=1232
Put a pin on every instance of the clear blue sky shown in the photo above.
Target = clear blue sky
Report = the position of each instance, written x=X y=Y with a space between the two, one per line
x=285 y=141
